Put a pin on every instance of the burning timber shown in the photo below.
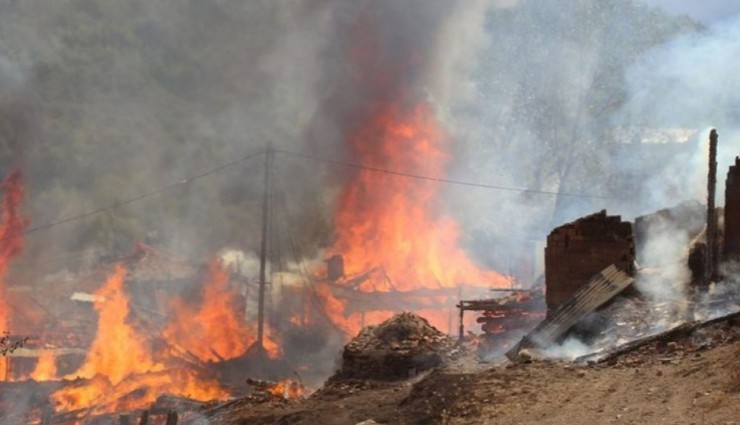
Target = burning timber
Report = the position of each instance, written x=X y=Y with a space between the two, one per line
x=504 y=317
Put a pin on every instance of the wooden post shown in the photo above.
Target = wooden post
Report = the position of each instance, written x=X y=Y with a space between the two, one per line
x=711 y=261
x=263 y=249
x=450 y=315
x=462 y=323
x=144 y=420
x=462 y=312
x=171 y=418
x=47 y=416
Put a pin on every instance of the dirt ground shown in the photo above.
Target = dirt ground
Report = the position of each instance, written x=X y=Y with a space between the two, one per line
x=689 y=380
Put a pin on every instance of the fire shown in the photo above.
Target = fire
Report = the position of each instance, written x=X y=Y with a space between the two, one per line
x=211 y=331
x=118 y=350
x=116 y=353
x=46 y=368
x=121 y=371
x=288 y=389
x=392 y=224
x=214 y=330
x=12 y=227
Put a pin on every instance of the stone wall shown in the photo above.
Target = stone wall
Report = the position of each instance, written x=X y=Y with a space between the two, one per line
x=576 y=251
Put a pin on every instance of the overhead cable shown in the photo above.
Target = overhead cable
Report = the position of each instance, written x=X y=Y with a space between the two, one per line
x=436 y=179
x=154 y=192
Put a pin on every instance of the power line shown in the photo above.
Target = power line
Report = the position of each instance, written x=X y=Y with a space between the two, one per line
x=437 y=179
x=154 y=192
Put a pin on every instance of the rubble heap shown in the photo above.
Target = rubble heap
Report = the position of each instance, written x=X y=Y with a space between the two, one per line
x=396 y=349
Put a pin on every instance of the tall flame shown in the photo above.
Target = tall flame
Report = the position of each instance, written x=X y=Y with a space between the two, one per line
x=213 y=330
x=46 y=367
x=116 y=339
x=12 y=227
x=117 y=351
x=392 y=223
x=120 y=362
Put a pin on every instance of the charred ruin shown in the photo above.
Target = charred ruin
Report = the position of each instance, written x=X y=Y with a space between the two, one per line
x=577 y=251
x=731 y=249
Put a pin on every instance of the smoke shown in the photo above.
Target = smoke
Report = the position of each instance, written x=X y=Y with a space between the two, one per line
x=722 y=297
x=548 y=91
x=106 y=101
x=389 y=52
x=531 y=93
x=689 y=81
x=707 y=11
x=665 y=255
x=684 y=83
x=569 y=349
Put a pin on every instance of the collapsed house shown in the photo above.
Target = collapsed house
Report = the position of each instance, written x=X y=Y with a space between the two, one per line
x=593 y=259
x=64 y=317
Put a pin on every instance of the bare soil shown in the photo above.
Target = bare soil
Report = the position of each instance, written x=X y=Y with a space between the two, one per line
x=691 y=379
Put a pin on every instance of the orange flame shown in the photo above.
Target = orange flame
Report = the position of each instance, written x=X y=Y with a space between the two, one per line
x=392 y=223
x=211 y=331
x=46 y=367
x=288 y=389
x=214 y=330
x=116 y=353
x=120 y=367
x=116 y=339
x=12 y=227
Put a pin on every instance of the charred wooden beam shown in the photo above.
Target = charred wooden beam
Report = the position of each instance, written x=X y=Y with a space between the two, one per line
x=598 y=291
x=172 y=418
x=358 y=301
x=144 y=419
x=731 y=248
x=495 y=305
x=711 y=260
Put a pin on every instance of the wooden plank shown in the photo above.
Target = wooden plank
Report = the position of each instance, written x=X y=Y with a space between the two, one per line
x=601 y=288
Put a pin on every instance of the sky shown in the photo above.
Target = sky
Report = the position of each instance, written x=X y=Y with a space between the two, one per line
x=704 y=11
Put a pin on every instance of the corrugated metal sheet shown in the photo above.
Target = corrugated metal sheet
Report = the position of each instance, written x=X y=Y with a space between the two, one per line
x=601 y=288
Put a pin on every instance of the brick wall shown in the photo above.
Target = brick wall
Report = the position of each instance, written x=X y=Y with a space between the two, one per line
x=576 y=251
x=732 y=212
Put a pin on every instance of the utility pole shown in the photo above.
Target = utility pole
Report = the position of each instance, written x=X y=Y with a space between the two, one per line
x=269 y=153
x=711 y=261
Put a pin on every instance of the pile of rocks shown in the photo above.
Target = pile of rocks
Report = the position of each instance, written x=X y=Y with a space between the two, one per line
x=398 y=348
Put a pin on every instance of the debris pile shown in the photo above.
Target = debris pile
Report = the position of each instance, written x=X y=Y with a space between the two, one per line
x=396 y=349
x=507 y=317
x=680 y=341
x=265 y=391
